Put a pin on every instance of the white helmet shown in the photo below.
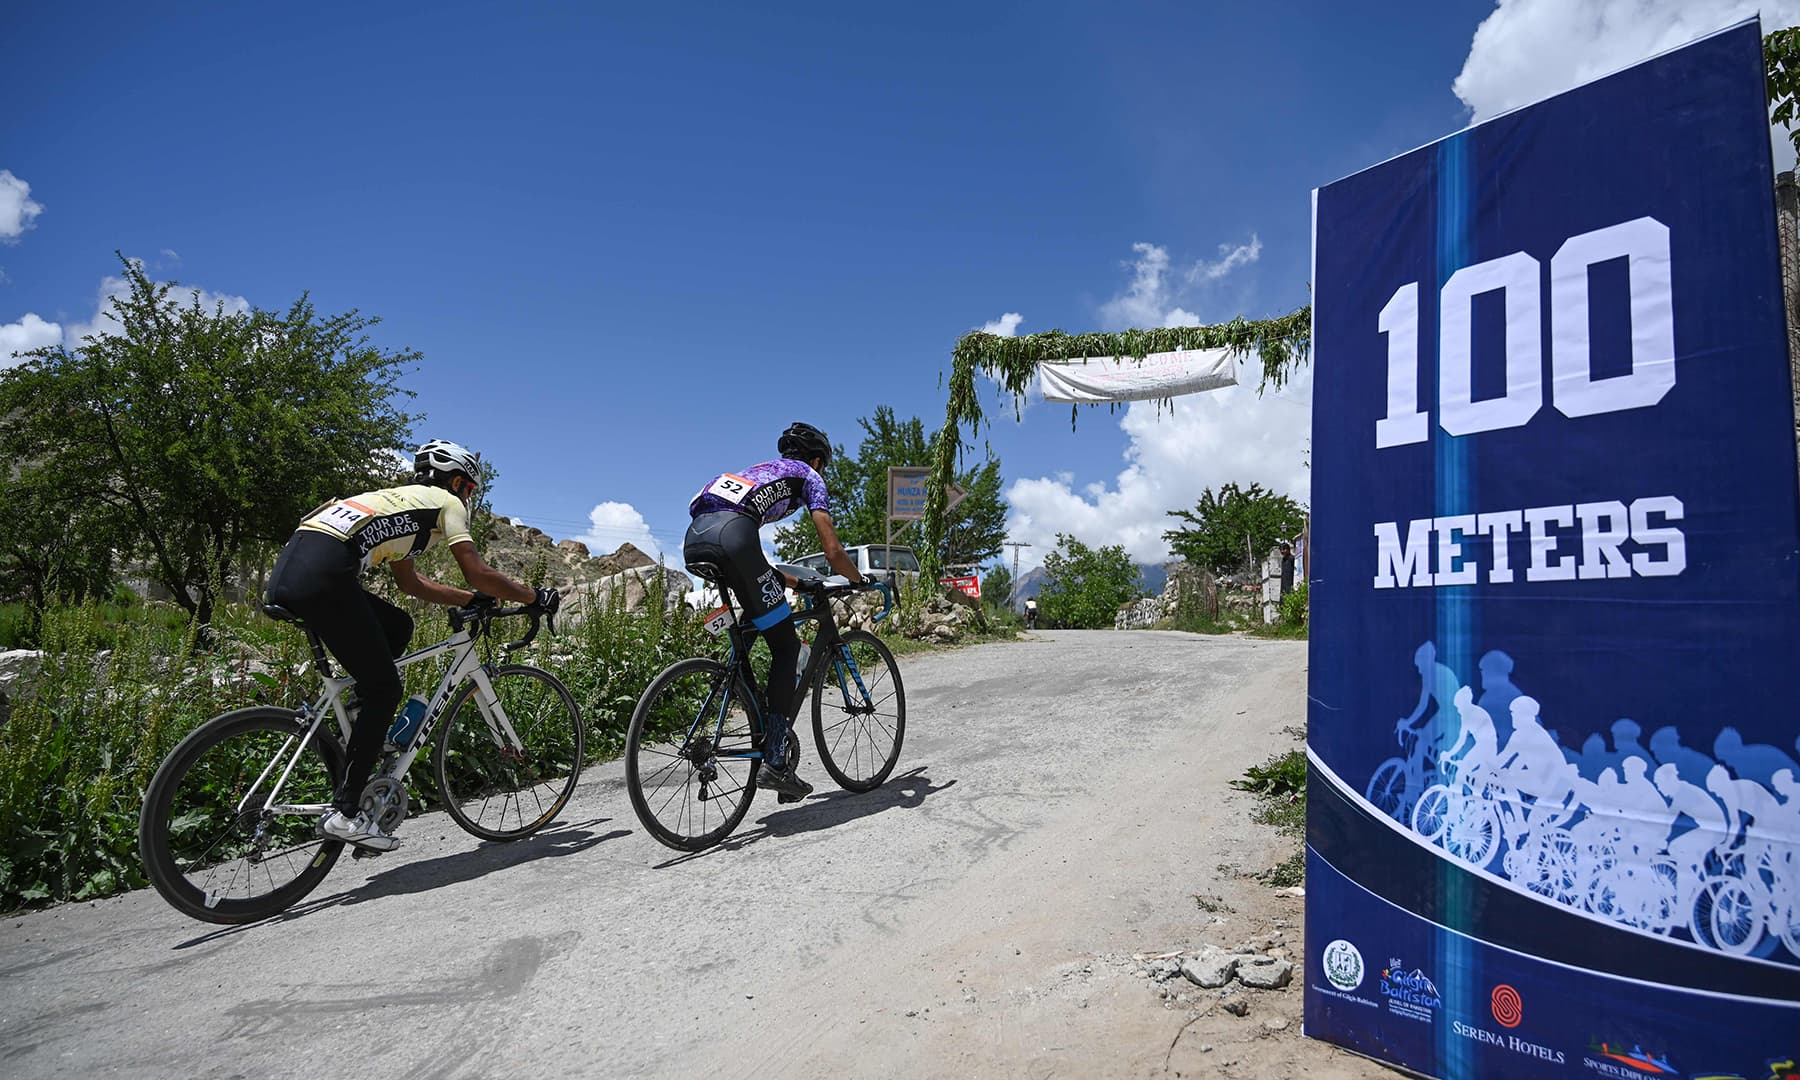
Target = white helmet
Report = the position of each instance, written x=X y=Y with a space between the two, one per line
x=441 y=455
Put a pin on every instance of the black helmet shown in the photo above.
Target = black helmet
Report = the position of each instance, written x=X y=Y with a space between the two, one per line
x=804 y=442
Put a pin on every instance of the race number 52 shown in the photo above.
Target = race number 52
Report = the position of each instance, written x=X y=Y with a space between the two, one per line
x=731 y=487
x=1642 y=242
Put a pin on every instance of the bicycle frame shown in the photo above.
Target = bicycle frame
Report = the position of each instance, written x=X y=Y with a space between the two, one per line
x=827 y=642
x=465 y=665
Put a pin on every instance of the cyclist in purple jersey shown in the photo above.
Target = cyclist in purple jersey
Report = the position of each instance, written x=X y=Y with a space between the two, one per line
x=727 y=514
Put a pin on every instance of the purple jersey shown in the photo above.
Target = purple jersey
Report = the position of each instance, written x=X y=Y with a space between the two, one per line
x=767 y=492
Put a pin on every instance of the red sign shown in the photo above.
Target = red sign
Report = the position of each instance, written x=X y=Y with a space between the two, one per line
x=969 y=586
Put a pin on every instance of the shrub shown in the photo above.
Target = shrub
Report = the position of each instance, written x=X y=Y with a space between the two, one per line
x=1293 y=607
x=119 y=687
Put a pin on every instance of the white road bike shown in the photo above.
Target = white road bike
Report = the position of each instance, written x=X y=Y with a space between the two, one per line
x=229 y=830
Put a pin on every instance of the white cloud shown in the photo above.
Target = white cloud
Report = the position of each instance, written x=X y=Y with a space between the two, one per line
x=1230 y=258
x=1005 y=326
x=112 y=286
x=28 y=333
x=1154 y=296
x=613 y=524
x=1206 y=440
x=1148 y=296
x=17 y=209
x=1530 y=49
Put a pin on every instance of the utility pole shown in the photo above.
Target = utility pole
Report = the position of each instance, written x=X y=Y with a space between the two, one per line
x=1015 y=545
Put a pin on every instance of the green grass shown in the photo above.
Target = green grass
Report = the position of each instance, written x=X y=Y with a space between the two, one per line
x=1280 y=785
x=1279 y=632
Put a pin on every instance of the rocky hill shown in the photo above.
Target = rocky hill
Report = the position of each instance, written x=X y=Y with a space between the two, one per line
x=627 y=576
x=521 y=550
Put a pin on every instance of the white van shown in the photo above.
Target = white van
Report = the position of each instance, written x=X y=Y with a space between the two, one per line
x=876 y=562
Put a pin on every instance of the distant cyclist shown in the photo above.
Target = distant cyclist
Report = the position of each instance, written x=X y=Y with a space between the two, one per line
x=316 y=578
x=727 y=515
x=1031 y=613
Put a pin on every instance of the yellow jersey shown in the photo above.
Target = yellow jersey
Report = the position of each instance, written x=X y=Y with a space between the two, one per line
x=393 y=523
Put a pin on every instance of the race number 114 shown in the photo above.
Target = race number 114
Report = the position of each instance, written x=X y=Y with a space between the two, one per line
x=1642 y=242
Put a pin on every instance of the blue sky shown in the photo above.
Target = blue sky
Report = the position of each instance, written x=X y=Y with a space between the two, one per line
x=632 y=244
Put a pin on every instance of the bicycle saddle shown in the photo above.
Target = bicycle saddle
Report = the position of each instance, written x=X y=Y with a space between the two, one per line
x=707 y=571
x=279 y=613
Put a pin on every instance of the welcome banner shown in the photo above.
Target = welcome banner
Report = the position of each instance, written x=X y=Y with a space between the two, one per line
x=1156 y=376
x=1554 y=806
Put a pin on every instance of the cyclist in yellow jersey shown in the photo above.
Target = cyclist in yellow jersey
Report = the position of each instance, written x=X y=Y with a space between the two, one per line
x=316 y=578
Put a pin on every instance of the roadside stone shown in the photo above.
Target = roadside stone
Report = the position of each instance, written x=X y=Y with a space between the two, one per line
x=1237 y=1007
x=1275 y=1023
x=1265 y=973
x=1211 y=969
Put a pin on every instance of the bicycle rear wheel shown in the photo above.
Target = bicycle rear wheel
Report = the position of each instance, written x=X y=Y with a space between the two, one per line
x=859 y=713
x=210 y=847
x=687 y=763
x=494 y=786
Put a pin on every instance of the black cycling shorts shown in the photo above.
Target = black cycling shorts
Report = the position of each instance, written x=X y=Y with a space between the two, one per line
x=732 y=542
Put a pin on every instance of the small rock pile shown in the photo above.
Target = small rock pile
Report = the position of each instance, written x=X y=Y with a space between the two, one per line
x=1257 y=964
x=944 y=617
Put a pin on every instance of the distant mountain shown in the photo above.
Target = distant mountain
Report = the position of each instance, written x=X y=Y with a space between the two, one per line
x=1151 y=576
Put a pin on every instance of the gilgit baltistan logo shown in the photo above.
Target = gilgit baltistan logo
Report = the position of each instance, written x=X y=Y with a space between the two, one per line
x=1343 y=965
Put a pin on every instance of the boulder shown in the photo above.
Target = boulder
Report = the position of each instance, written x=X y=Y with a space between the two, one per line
x=574 y=547
x=1265 y=972
x=628 y=557
x=17 y=668
x=1211 y=969
x=632 y=590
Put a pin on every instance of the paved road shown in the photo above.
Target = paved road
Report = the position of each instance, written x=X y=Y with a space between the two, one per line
x=1057 y=799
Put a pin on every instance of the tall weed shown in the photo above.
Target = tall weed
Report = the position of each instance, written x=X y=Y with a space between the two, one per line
x=120 y=687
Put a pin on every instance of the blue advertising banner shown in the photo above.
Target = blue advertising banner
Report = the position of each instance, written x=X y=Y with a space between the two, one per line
x=1554 y=806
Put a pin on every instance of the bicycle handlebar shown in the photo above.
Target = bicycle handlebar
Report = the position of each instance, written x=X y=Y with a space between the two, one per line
x=482 y=614
x=824 y=588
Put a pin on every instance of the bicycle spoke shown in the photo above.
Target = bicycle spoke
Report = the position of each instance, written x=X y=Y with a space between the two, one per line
x=500 y=786
x=687 y=782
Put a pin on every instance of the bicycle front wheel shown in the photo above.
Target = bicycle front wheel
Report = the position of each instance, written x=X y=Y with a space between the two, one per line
x=859 y=713
x=506 y=768
x=689 y=764
x=214 y=842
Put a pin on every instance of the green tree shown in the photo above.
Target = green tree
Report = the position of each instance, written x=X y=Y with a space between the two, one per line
x=1781 y=69
x=1232 y=529
x=858 y=486
x=190 y=436
x=48 y=548
x=1084 y=587
x=997 y=586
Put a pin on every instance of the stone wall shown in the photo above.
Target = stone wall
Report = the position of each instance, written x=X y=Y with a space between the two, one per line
x=1223 y=597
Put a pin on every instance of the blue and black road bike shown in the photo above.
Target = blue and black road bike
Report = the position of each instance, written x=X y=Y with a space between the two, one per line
x=696 y=738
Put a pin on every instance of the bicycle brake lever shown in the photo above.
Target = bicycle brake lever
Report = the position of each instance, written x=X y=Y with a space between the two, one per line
x=529 y=636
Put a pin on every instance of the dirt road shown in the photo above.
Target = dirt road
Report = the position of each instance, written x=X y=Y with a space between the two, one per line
x=1058 y=805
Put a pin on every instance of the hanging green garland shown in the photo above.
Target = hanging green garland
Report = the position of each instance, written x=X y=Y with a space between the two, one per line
x=1282 y=343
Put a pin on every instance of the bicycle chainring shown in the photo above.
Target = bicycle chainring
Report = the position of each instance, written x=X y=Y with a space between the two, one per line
x=385 y=801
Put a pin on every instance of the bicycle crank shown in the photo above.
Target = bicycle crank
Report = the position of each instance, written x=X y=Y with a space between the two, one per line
x=384 y=800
